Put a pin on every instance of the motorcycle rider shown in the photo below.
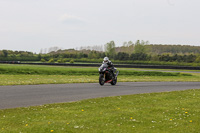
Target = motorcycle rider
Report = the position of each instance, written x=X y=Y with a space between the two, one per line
x=110 y=65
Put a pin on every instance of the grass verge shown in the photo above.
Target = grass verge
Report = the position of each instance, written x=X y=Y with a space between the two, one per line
x=64 y=79
x=28 y=74
x=55 y=70
x=142 y=113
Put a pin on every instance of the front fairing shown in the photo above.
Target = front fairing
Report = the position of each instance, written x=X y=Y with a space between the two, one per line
x=103 y=68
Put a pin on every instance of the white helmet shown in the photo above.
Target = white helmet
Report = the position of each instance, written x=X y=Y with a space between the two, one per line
x=105 y=59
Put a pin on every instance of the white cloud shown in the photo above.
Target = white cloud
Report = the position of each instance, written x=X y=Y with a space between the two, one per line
x=71 y=19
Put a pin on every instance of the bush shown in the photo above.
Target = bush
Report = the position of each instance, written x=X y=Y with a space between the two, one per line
x=62 y=60
x=43 y=60
x=71 y=61
x=51 y=61
x=59 y=61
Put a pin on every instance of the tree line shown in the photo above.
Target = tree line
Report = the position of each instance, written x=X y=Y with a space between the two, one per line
x=138 y=51
x=9 y=55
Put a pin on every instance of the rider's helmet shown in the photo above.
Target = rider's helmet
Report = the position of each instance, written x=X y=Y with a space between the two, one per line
x=105 y=60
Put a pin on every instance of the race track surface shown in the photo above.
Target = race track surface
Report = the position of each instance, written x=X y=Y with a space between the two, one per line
x=31 y=95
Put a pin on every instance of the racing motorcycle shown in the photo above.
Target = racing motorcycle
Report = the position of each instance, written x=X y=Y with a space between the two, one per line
x=106 y=76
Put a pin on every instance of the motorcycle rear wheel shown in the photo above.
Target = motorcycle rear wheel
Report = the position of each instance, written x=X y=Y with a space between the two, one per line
x=114 y=82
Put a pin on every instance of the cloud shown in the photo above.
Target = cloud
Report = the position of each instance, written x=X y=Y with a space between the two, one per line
x=71 y=19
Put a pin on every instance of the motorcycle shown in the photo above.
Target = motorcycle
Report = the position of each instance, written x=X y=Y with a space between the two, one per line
x=106 y=76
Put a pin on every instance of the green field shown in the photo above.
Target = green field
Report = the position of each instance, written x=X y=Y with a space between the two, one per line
x=30 y=74
x=165 y=112
x=58 y=70
x=142 y=113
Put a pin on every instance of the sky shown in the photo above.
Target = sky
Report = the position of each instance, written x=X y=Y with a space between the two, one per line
x=31 y=25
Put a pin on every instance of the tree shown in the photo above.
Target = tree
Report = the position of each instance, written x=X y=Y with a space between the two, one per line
x=139 y=56
x=92 y=55
x=39 y=56
x=127 y=47
x=140 y=51
x=130 y=43
x=5 y=52
x=122 y=56
x=125 y=44
x=140 y=47
x=1 y=54
x=53 y=49
x=110 y=49
x=197 y=60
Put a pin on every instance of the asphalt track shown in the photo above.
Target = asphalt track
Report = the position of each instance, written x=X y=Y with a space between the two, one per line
x=32 y=95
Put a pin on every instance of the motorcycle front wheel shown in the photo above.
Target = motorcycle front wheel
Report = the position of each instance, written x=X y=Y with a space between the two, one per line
x=101 y=79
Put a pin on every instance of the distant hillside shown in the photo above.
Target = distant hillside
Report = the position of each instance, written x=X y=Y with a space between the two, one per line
x=173 y=49
x=151 y=49
x=156 y=49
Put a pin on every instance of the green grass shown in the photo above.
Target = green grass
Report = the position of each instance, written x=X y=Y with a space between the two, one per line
x=142 y=113
x=30 y=74
x=63 y=79
x=146 y=113
x=54 y=70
